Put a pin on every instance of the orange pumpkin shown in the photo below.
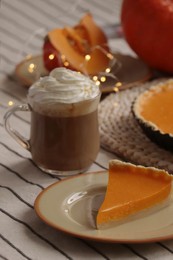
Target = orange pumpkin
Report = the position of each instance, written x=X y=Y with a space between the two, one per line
x=82 y=48
x=148 y=28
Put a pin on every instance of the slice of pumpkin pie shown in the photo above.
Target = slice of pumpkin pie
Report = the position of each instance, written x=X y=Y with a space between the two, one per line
x=132 y=189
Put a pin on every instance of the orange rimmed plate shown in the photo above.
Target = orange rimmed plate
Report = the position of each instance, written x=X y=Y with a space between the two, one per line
x=71 y=206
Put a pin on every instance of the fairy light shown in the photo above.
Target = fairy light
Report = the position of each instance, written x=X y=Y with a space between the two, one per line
x=110 y=56
x=87 y=57
x=116 y=89
x=118 y=84
x=66 y=63
x=103 y=79
x=97 y=83
x=95 y=78
x=10 y=103
x=107 y=70
x=31 y=67
x=51 y=56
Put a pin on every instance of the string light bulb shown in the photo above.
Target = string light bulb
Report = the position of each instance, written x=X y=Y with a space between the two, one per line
x=87 y=57
x=31 y=67
x=10 y=103
x=95 y=78
x=51 y=56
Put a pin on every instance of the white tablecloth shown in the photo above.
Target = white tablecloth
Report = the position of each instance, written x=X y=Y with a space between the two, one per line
x=22 y=234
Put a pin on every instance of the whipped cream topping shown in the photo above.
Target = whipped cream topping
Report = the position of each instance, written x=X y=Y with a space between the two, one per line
x=62 y=86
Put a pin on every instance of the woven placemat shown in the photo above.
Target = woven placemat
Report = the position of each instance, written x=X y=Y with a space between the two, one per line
x=121 y=134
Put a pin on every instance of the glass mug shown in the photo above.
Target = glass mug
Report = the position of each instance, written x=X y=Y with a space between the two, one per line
x=64 y=137
x=63 y=145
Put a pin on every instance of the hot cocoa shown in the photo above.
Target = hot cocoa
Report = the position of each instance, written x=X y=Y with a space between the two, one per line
x=64 y=125
x=64 y=143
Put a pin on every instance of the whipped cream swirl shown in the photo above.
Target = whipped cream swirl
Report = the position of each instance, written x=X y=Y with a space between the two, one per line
x=63 y=86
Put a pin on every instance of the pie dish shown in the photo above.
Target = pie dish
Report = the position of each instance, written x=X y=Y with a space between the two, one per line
x=154 y=113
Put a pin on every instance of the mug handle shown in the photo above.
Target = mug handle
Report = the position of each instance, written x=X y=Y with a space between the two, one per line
x=15 y=134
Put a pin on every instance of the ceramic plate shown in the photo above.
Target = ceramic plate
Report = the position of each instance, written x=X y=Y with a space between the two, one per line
x=129 y=72
x=71 y=206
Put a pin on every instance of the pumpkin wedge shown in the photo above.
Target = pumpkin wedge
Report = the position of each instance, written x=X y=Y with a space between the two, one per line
x=95 y=34
x=83 y=47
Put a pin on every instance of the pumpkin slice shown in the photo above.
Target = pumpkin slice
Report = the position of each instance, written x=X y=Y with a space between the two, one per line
x=95 y=34
x=132 y=189
x=84 y=46
x=153 y=111
x=78 y=43
x=82 y=32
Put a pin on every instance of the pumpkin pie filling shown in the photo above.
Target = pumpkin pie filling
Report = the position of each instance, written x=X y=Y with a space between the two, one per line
x=132 y=189
x=155 y=107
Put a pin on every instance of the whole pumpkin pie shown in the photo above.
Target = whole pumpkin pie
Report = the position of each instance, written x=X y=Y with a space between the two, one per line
x=132 y=189
x=153 y=110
